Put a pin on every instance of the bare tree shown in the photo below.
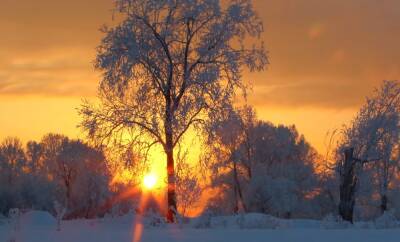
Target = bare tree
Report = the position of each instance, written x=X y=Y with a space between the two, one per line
x=372 y=137
x=169 y=66
x=78 y=170
x=388 y=143
x=225 y=138
x=52 y=145
x=248 y=121
x=34 y=155
x=12 y=159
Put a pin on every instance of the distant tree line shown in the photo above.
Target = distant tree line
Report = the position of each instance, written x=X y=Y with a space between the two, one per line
x=259 y=167
x=249 y=165
x=55 y=170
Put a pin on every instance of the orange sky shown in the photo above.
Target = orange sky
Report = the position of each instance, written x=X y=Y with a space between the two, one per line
x=325 y=57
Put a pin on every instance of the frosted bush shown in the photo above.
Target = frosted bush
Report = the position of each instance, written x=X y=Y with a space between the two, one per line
x=334 y=222
x=2 y=219
x=364 y=225
x=223 y=221
x=181 y=220
x=386 y=221
x=60 y=212
x=204 y=221
x=14 y=216
x=37 y=218
x=257 y=221
x=153 y=219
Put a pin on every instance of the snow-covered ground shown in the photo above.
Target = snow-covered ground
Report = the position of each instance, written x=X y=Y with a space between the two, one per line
x=40 y=227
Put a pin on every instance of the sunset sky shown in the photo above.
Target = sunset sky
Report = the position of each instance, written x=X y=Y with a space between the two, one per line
x=326 y=56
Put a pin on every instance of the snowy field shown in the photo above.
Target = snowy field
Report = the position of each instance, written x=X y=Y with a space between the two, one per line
x=41 y=227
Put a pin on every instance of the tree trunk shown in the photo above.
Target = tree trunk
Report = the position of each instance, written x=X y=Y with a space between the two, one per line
x=67 y=192
x=384 y=189
x=169 y=150
x=249 y=161
x=384 y=201
x=171 y=186
x=348 y=182
x=238 y=191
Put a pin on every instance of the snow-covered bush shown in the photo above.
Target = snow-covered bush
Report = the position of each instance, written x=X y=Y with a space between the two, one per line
x=332 y=221
x=387 y=221
x=181 y=220
x=154 y=219
x=118 y=209
x=278 y=197
x=257 y=221
x=2 y=219
x=364 y=225
x=37 y=218
x=203 y=221
x=14 y=216
x=60 y=212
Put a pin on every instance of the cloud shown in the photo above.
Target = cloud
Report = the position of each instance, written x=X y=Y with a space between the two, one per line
x=354 y=47
x=331 y=95
x=316 y=31
x=65 y=72
x=46 y=85
x=51 y=45
x=36 y=25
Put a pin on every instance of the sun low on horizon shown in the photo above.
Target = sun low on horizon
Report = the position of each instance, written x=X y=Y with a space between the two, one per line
x=149 y=181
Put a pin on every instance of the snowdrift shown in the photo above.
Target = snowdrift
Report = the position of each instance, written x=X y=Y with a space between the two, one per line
x=37 y=226
x=264 y=221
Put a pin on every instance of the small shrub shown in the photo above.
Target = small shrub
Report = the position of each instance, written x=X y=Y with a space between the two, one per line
x=334 y=222
x=257 y=221
x=386 y=221
x=204 y=221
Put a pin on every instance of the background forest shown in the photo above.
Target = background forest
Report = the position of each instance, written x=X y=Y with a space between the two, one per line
x=246 y=165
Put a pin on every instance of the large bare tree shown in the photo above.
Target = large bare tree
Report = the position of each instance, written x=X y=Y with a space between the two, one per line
x=371 y=138
x=169 y=66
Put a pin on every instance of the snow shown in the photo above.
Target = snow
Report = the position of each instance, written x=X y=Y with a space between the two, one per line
x=123 y=229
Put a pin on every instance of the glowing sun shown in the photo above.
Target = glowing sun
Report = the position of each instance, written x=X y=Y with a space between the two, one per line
x=149 y=181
